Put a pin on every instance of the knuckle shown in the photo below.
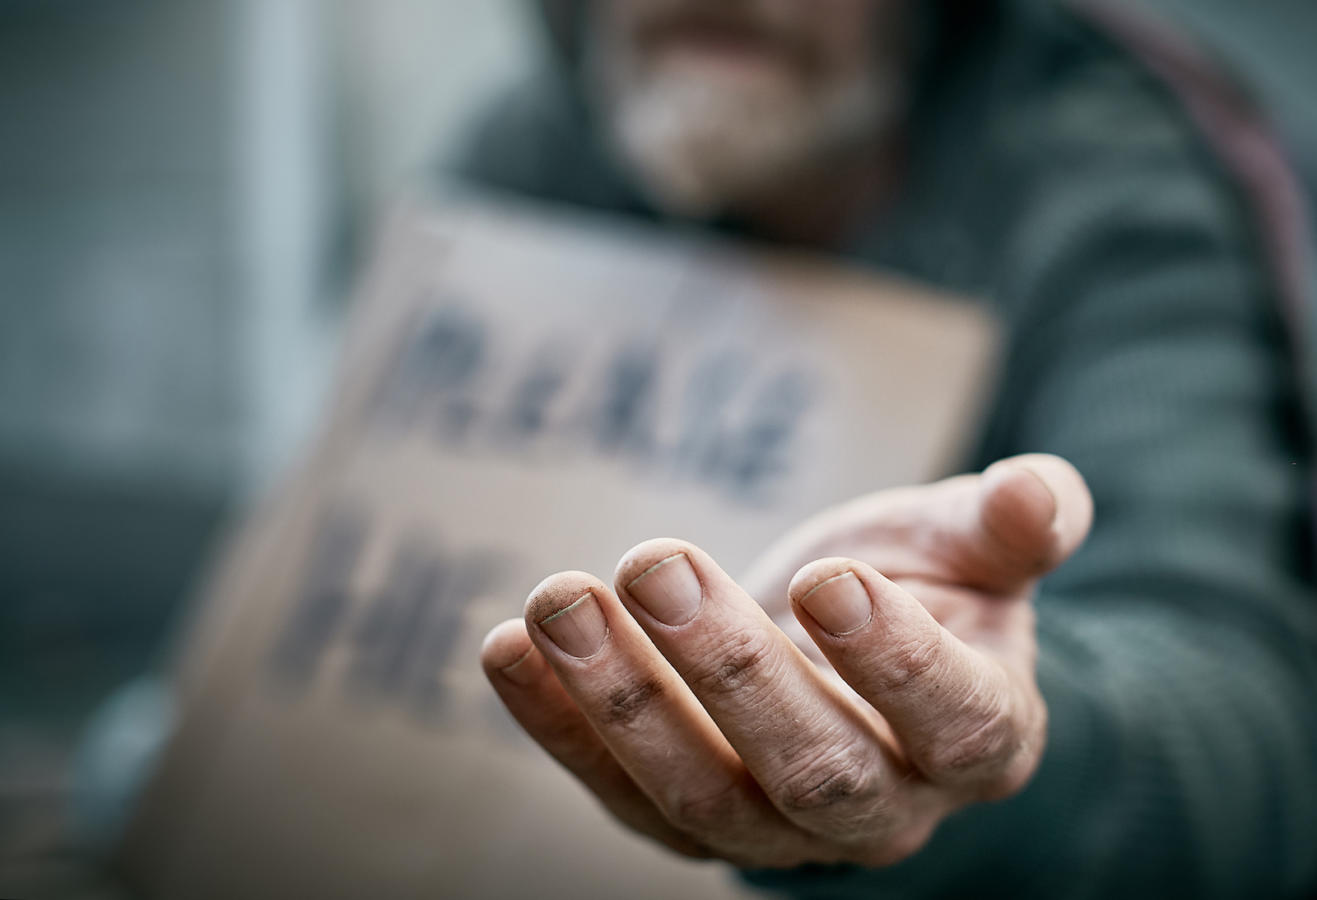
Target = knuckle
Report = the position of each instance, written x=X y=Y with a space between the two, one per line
x=738 y=664
x=986 y=741
x=1018 y=769
x=626 y=703
x=911 y=662
x=836 y=788
x=711 y=813
x=837 y=783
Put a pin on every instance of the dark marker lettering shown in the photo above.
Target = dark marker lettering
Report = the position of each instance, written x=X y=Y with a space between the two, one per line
x=465 y=579
x=706 y=400
x=760 y=450
x=527 y=414
x=323 y=597
x=434 y=373
x=385 y=634
x=627 y=406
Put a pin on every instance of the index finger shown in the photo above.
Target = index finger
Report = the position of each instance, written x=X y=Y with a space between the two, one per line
x=814 y=751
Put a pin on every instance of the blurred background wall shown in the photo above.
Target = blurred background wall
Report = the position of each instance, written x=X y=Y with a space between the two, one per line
x=185 y=189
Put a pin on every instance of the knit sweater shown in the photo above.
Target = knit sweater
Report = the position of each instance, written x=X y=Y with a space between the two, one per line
x=1049 y=174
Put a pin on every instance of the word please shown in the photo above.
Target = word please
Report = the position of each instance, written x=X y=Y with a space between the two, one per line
x=711 y=413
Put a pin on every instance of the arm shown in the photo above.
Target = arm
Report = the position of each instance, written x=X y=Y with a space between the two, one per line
x=1185 y=627
x=1175 y=652
x=1177 y=647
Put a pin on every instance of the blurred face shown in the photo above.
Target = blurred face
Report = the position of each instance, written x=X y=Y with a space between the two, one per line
x=715 y=103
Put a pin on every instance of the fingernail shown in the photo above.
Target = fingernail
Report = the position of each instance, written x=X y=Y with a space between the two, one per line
x=580 y=629
x=1051 y=494
x=668 y=590
x=520 y=672
x=840 y=604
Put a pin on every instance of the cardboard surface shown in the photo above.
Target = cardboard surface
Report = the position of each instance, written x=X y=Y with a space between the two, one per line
x=522 y=392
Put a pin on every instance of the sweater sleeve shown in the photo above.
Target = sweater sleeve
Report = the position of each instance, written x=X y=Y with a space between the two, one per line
x=1177 y=647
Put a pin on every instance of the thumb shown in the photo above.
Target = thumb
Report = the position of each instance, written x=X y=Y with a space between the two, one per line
x=1032 y=512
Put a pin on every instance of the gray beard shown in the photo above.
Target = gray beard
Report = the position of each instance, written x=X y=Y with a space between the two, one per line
x=699 y=148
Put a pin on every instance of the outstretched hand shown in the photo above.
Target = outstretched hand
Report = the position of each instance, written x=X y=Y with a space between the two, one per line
x=700 y=721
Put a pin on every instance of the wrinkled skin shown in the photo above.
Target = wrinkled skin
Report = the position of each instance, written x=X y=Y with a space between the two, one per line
x=755 y=734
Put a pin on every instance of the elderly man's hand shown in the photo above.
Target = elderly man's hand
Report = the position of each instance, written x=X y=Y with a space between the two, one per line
x=696 y=719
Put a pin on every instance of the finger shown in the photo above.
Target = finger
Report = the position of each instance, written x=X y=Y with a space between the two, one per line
x=964 y=721
x=997 y=531
x=816 y=754
x=532 y=694
x=1030 y=513
x=650 y=722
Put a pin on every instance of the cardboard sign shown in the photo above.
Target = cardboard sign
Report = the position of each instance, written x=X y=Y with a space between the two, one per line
x=523 y=392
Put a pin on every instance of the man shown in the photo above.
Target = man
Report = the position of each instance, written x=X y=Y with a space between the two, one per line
x=1145 y=719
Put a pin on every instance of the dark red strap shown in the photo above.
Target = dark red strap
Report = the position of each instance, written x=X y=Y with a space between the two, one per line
x=1244 y=141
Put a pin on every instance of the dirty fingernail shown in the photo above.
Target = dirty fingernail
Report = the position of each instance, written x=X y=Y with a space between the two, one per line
x=840 y=604
x=668 y=590
x=579 y=629
x=523 y=671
